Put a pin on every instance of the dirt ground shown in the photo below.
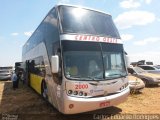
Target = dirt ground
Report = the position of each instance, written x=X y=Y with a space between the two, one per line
x=27 y=104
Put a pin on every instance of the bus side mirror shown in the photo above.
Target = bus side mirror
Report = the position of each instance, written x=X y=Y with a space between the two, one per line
x=55 y=63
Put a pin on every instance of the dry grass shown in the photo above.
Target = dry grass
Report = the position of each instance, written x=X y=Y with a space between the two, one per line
x=25 y=101
x=145 y=102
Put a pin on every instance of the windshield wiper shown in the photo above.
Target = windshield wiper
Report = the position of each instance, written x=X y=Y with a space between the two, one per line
x=80 y=78
x=95 y=78
x=117 y=74
x=113 y=76
x=85 y=78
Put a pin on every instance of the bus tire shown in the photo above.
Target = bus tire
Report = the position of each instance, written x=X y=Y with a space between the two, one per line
x=44 y=90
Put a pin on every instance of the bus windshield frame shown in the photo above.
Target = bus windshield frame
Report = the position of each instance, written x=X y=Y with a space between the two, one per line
x=84 y=21
x=93 y=61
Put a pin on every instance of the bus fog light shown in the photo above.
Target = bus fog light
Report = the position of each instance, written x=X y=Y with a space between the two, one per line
x=71 y=106
x=85 y=94
x=75 y=93
x=70 y=91
x=81 y=93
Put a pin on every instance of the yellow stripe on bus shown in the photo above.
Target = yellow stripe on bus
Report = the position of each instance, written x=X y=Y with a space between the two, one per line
x=35 y=82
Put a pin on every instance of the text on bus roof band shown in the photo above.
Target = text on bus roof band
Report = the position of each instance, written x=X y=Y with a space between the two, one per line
x=90 y=38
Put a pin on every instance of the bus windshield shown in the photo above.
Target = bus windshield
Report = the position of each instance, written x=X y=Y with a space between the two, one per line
x=84 y=21
x=92 y=61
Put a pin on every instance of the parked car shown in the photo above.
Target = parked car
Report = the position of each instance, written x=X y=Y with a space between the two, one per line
x=148 y=78
x=135 y=83
x=5 y=74
x=151 y=68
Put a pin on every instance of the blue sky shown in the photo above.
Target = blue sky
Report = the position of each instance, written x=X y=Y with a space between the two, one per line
x=138 y=22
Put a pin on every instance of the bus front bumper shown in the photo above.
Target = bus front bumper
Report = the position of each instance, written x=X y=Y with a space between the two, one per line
x=73 y=105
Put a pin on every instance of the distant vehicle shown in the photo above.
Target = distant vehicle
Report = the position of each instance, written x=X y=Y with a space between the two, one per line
x=141 y=62
x=135 y=83
x=151 y=68
x=7 y=67
x=133 y=63
x=158 y=66
x=5 y=74
x=148 y=78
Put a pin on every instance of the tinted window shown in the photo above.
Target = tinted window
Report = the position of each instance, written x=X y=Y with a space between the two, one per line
x=36 y=38
x=80 y=46
x=46 y=32
x=77 y=20
x=139 y=70
x=82 y=60
x=112 y=47
x=37 y=66
x=113 y=60
x=87 y=60
x=147 y=68
x=143 y=67
x=4 y=72
x=158 y=67
x=51 y=34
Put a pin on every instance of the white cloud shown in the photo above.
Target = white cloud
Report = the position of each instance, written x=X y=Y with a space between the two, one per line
x=63 y=1
x=131 y=18
x=158 y=19
x=15 y=34
x=146 y=53
x=147 y=1
x=28 y=33
x=147 y=41
x=130 y=4
x=153 y=56
x=127 y=37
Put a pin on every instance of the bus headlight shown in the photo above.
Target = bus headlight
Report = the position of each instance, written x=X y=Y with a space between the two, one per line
x=75 y=93
x=124 y=86
x=81 y=93
x=70 y=92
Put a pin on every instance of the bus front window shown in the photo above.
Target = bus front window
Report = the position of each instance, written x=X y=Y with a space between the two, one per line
x=84 y=21
x=93 y=61
x=113 y=58
x=83 y=64
x=81 y=61
x=114 y=65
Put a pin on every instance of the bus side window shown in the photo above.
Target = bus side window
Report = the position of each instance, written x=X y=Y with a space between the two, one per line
x=31 y=66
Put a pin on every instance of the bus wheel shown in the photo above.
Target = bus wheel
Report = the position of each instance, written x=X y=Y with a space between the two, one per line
x=44 y=90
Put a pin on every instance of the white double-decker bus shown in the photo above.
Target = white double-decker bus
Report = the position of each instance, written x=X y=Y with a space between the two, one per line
x=75 y=60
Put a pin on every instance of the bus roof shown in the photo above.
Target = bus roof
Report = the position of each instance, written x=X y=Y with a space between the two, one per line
x=83 y=7
x=69 y=5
